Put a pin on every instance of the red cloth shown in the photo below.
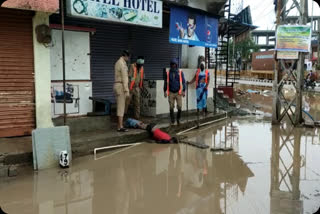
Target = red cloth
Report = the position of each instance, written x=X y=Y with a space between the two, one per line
x=159 y=135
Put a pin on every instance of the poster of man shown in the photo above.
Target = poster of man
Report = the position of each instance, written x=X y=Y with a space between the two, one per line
x=189 y=27
x=190 y=32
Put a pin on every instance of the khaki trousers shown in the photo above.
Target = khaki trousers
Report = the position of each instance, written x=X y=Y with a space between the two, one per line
x=135 y=98
x=175 y=97
x=120 y=98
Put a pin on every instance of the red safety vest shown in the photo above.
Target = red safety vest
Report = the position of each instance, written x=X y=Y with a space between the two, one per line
x=135 y=76
x=180 y=80
x=159 y=135
x=197 y=77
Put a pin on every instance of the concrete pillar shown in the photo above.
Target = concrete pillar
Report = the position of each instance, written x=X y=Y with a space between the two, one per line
x=190 y=54
x=42 y=75
x=193 y=54
x=184 y=56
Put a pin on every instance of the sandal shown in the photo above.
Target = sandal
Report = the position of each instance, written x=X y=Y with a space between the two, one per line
x=122 y=130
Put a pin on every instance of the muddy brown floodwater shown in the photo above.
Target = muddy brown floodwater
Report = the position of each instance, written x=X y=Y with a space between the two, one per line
x=270 y=170
x=263 y=100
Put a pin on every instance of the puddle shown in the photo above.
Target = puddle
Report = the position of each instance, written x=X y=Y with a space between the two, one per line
x=270 y=170
x=261 y=99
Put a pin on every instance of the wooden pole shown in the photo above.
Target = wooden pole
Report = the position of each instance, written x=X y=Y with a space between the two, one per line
x=318 y=49
x=275 y=102
x=63 y=62
x=300 y=67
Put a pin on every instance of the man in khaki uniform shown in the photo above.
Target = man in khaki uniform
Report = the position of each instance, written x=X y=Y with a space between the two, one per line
x=136 y=75
x=120 y=87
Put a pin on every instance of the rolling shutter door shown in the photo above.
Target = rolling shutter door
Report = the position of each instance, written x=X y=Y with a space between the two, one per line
x=153 y=43
x=111 y=38
x=106 y=47
x=17 y=102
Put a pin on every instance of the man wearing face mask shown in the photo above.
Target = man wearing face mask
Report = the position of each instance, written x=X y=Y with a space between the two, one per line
x=190 y=33
x=202 y=79
x=174 y=89
x=136 y=76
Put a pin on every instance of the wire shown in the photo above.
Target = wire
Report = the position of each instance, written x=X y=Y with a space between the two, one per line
x=261 y=8
x=263 y=16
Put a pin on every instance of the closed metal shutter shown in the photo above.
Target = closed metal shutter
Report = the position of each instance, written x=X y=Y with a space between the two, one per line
x=106 y=47
x=153 y=44
x=109 y=41
x=17 y=102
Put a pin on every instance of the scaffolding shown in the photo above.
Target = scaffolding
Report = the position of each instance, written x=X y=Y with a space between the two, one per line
x=292 y=70
x=221 y=59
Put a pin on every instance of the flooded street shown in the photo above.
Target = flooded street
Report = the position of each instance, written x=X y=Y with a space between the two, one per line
x=270 y=170
x=261 y=98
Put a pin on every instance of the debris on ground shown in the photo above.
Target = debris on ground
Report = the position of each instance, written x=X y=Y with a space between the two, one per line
x=250 y=91
x=12 y=171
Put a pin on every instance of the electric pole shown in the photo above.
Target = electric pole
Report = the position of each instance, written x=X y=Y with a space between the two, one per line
x=300 y=66
x=283 y=106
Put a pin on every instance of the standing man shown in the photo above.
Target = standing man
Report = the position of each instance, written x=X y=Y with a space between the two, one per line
x=121 y=88
x=202 y=79
x=174 y=89
x=136 y=76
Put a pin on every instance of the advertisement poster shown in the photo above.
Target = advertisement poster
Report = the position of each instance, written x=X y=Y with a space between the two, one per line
x=189 y=28
x=287 y=55
x=293 y=38
x=146 y=13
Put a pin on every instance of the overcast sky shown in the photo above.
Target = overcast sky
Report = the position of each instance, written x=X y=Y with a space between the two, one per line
x=263 y=15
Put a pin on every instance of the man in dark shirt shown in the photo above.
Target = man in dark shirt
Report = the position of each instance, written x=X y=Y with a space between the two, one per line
x=174 y=89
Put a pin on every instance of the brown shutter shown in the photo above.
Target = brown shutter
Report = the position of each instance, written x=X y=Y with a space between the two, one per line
x=17 y=101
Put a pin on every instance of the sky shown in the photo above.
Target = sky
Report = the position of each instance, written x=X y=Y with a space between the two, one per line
x=263 y=14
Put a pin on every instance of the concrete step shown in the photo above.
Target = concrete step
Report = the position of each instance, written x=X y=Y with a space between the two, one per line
x=84 y=124
x=85 y=143
x=15 y=151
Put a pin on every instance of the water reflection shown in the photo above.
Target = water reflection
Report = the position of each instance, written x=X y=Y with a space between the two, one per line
x=179 y=179
x=63 y=192
x=290 y=172
x=285 y=171
x=213 y=180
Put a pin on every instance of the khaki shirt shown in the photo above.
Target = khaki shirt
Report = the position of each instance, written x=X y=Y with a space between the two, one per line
x=121 y=74
x=131 y=74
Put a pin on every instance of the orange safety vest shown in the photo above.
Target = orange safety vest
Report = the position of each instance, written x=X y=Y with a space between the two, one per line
x=133 y=81
x=180 y=80
x=197 y=77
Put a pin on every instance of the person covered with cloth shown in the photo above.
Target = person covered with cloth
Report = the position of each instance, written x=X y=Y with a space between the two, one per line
x=174 y=88
x=135 y=124
x=202 y=79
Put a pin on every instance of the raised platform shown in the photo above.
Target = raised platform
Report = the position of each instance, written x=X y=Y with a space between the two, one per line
x=83 y=141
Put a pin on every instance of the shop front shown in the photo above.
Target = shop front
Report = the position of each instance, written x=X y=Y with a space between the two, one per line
x=103 y=31
x=147 y=30
x=17 y=91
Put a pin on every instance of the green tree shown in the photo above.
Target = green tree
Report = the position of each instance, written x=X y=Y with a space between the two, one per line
x=245 y=48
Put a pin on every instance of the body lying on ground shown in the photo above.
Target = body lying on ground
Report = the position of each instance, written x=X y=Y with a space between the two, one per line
x=160 y=136
x=135 y=124
x=154 y=132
